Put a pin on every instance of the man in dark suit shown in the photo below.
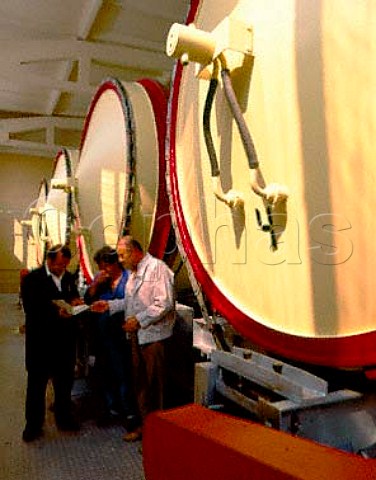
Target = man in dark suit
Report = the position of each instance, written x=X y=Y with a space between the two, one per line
x=50 y=348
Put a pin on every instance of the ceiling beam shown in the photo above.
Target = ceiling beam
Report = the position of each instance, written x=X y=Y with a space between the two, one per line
x=30 y=148
x=14 y=78
x=54 y=95
x=24 y=124
x=47 y=147
x=24 y=52
x=20 y=60
x=171 y=11
x=89 y=14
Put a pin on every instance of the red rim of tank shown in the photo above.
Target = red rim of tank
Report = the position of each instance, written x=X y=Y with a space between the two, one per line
x=40 y=252
x=162 y=224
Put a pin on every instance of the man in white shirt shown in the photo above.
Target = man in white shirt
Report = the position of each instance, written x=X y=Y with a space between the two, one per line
x=149 y=307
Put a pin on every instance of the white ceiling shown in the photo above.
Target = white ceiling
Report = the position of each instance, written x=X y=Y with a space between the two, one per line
x=55 y=53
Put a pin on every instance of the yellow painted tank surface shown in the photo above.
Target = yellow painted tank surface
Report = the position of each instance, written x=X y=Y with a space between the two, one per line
x=297 y=277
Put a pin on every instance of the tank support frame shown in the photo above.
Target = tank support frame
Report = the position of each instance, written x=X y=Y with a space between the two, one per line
x=287 y=398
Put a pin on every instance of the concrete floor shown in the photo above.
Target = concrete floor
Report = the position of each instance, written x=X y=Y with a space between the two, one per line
x=92 y=454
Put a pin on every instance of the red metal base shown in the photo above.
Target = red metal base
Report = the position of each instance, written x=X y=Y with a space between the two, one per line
x=193 y=442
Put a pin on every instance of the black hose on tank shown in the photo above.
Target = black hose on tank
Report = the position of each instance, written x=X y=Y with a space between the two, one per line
x=207 y=130
x=239 y=119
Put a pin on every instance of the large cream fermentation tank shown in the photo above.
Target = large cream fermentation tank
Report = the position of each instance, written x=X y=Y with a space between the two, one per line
x=271 y=171
x=271 y=180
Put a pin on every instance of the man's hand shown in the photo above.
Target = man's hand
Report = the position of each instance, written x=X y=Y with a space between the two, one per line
x=64 y=313
x=100 y=306
x=131 y=325
x=77 y=301
x=101 y=277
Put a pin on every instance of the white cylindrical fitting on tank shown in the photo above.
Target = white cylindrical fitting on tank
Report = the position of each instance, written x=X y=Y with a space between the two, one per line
x=190 y=44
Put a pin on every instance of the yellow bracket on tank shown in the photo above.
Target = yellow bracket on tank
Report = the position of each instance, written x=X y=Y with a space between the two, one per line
x=231 y=198
x=26 y=223
x=190 y=44
x=45 y=238
x=273 y=193
x=35 y=211
x=67 y=184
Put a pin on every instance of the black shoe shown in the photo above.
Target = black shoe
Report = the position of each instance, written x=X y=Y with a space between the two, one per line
x=104 y=420
x=68 y=426
x=130 y=423
x=29 y=434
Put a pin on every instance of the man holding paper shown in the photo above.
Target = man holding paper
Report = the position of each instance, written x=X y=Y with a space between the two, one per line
x=51 y=334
